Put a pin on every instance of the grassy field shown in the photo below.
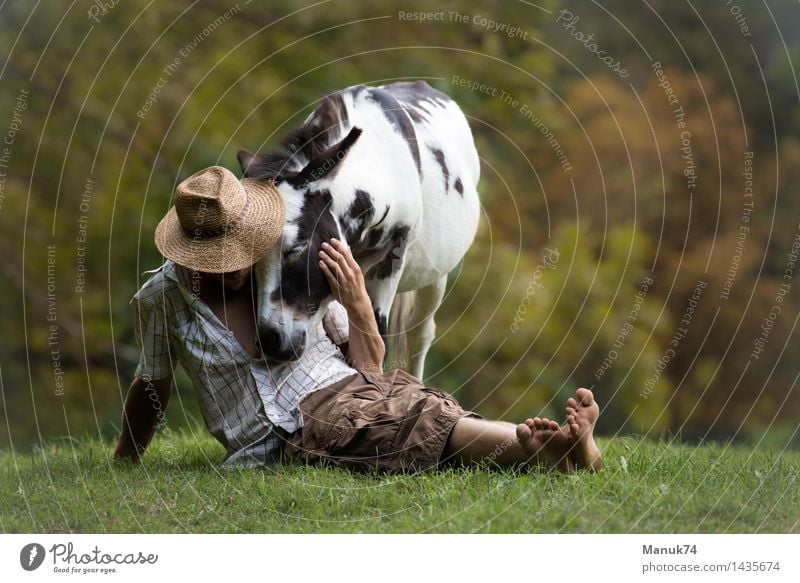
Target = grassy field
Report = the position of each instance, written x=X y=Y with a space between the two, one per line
x=72 y=486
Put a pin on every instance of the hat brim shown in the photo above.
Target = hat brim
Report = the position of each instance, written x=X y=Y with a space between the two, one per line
x=237 y=248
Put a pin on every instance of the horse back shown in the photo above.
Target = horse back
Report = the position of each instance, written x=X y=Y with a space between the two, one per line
x=449 y=174
x=410 y=180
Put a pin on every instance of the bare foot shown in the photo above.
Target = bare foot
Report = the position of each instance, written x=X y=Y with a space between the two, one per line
x=547 y=443
x=541 y=423
x=582 y=414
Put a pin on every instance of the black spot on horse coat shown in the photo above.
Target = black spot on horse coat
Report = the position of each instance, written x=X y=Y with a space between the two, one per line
x=392 y=251
x=303 y=285
x=439 y=155
x=396 y=114
x=357 y=217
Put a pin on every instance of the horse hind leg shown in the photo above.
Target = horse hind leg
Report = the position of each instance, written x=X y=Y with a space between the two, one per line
x=421 y=328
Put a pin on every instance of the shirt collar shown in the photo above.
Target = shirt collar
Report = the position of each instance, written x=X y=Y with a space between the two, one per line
x=169 y=270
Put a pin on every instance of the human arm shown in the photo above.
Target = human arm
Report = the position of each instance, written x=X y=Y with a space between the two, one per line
x=142 y=412
x=365 y=348
x=146 y=402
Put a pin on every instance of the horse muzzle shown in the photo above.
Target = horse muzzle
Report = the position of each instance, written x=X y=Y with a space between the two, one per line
x=277 y=346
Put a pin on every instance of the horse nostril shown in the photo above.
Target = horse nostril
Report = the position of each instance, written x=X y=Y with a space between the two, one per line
x=279 y=348
x=268 y=338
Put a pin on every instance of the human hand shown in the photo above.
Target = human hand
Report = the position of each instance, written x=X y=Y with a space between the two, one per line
x=344 y=275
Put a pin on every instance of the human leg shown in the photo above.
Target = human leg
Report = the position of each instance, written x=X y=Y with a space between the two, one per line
x=537 y=441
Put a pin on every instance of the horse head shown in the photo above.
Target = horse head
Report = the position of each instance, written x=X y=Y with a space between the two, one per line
x=293 y=293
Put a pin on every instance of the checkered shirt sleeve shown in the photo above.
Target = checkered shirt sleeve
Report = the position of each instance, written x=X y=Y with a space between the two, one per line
x=336 y=323
x=156 y=357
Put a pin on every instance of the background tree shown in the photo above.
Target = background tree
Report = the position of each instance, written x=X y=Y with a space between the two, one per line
x=109 y=114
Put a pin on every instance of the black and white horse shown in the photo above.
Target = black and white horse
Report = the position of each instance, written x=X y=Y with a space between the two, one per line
x=391 y=170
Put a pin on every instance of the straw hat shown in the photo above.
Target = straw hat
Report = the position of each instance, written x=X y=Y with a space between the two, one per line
x=220 y=223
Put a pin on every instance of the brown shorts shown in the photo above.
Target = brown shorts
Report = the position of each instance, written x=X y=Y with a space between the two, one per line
x=387 y=421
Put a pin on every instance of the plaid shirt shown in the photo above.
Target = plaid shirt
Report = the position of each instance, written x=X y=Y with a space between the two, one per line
x=243 y=401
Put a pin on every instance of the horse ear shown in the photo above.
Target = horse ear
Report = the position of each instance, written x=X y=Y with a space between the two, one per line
x=327 y=162
x=246 y=159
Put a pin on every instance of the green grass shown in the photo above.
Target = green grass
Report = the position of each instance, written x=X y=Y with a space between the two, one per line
x=73 y=486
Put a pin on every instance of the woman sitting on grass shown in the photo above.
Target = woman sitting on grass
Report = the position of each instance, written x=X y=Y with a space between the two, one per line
x=334 y=403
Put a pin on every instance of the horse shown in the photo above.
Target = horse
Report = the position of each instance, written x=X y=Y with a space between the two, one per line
x=393 y=172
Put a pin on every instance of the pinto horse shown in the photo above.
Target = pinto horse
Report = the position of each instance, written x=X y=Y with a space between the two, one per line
x=390 y=170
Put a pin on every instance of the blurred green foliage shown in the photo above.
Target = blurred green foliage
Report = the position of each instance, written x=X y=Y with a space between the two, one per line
x=120 y=107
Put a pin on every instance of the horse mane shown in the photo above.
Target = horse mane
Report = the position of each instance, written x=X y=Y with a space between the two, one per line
x=303 y=143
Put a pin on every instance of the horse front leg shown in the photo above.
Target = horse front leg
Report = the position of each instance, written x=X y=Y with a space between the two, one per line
x=382 y=280
x=382 y=292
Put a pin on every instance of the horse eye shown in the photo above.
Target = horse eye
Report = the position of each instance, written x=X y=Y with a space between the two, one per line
x=294 y=251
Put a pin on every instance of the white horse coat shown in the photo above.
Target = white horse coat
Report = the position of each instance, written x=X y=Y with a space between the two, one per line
x=392 y=171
